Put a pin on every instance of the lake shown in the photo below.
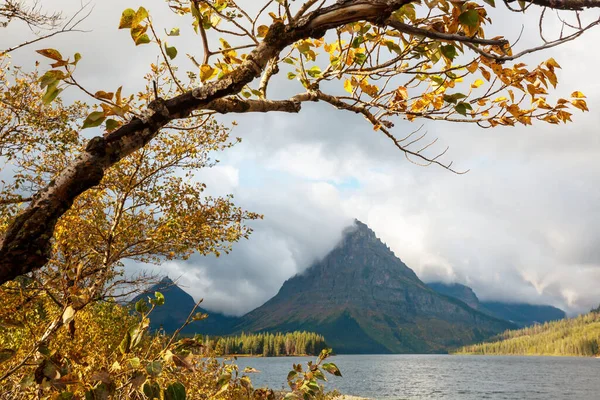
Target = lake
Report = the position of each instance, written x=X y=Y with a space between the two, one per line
x=447 y=377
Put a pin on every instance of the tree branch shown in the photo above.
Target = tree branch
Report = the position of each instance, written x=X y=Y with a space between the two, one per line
x=26 y=245
x=236 y=105
x=573 y=5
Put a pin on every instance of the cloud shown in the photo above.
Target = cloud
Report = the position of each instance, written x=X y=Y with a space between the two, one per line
x=523 y=225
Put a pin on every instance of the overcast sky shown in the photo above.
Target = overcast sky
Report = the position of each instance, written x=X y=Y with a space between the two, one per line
x=522 y=226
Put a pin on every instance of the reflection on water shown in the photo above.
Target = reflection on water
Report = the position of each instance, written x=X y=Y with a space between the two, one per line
x=447 y=377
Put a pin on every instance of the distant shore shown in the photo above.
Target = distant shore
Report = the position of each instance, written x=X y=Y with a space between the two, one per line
x=263 y=356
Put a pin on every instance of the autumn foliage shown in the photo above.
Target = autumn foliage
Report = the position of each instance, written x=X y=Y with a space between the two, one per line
x=73 y=210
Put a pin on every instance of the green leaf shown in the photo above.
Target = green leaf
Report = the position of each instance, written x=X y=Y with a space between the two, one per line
x=171 y=51
x=152 y=390
x=160 y=298
x=292 y=375
x=491 y=2
x=140 y=15
x=453 y=98
x=448 y=51
x=319 y=375
x=357 y=42
x=291 y=75
x=126 y=18
x=93 y=120
x=77 y=57
x=142 y=39
x=332 y=369
x=6 y=354
x=200 y=316
x=154 y=368
x=469 y=18
x=223 y=379
x=462 y=108
x=173 y=32
x=50 y=77
x=314 y=72
x=124 y=346
x=360 y=58
x=141 y=306
x=134 y=362
x=65 y=396
x=175 y=391
x=112 y=124
x=51 y=94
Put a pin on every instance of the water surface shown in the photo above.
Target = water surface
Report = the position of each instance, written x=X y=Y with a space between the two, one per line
x=447 y=377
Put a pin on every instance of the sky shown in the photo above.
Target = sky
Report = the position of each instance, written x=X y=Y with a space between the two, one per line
x=523 y=225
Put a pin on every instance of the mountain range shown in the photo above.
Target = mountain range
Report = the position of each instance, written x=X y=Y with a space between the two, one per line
x=362 y=299
x=520 y=314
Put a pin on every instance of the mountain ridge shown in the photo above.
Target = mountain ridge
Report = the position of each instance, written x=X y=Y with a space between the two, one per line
x=361 y=297
x=361 y=289
x=521 y=314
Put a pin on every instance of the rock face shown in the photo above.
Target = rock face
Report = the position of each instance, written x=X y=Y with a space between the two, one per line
x=364 y=299
x=177 y=307
x=517 y=313
x=457 y=291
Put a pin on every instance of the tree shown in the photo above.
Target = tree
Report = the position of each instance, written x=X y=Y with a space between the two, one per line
x=147 y=208
x=394 y=58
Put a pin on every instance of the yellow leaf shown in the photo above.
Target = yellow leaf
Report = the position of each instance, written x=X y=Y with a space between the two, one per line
x=486 y=74
x=578 y=95
x=224 y=43
x=348 y=87
x=207 y=72
x=472 y=67
x=477 y=83
x=581 y=104
x=262 y=30
x=402 y=92
x=551 y=63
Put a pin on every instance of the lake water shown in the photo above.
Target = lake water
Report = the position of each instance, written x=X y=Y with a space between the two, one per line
x=447 y=377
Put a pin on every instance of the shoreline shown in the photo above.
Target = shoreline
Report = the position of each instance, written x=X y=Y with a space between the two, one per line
x=524 y=355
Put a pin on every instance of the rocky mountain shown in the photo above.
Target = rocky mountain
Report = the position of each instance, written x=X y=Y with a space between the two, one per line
x=457 y=291
x=364 y=299
x=177 y=307
x=518 y=313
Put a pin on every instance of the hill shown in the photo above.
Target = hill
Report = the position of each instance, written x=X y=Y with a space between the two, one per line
x=177 y=307
x=364 y=299
x=520 y=314
x=578 y=336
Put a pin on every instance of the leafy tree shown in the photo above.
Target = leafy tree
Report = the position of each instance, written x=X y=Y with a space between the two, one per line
x=383 y=59
x=147 y=208
x=76 y=209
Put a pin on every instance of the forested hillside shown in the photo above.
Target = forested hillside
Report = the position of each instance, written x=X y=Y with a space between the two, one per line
x=578 y=336
x=267 y=344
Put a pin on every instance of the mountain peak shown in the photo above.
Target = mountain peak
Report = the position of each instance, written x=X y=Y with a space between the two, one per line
x=166 y=281
x=363 y=298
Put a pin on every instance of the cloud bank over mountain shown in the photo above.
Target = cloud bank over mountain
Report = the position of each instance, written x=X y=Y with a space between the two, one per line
x=523 y=225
